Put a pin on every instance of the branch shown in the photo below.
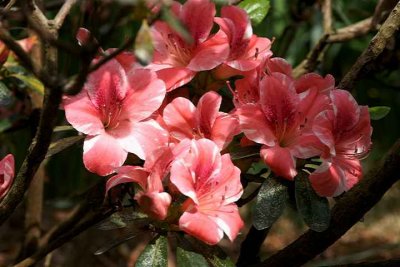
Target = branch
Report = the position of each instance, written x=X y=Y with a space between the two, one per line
x=88 y=213
x=374 y=49
x=250 y=248
x=11 y=44
x=348 y=211
x=65 y=237
x=62 y=14
x=35 y=155
x=327 y=13
x=350 y=32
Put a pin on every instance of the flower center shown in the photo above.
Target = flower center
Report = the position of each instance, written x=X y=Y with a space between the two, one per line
x=178 y=50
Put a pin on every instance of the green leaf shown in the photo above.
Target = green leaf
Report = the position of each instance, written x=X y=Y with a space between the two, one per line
x=155 y=254
x=30 y=82
x=62 y=128
x=4 y=125
x=186 y=258
x=6 y=97
x=257 y=9
x=144 y=44
x=379 y=112
x=245 y=152
x=213 y=255
x=270 y=204
x=313 y=209
x=62 y=144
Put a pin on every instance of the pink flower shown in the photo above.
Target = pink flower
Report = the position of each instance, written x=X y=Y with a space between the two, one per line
x=177 y=60
x=281 y=121
x=247 y=89
x=152 y=199
x=183 y=120
x=247 y=51
x=212 y=184
x=110 y=110
x=346 y=133
x=6 y=174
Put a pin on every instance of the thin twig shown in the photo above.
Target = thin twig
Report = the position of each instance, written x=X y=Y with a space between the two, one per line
x=349 y=210
x=11 y=44
x=374 y=49
x=350 y=32
x=342 y=35
x=327 y=14
x=65 y=237
x=62 y=14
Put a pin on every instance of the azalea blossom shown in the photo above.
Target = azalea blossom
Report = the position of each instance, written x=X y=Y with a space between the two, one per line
x=247 y=50
x=184 y=120
x=247 y=89
x=177 y=59
x=152 y=199
x=6 y=174
x=281 y=121
x=111 y=110
x=212 y=184
x=346 y=132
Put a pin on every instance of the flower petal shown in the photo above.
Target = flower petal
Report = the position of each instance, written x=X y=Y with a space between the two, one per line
x=128 y=174
x=155 y=204
x=198 y=16
x=175 y=77
x=7 y=173
x=180 y=117
x=140 y=138
x=224 y=129
x=207 y=110
x=210 y=54
x=82 y=114
x=253 y=124
x=280 y=160
x=145 y=96
x=228 y=219
x=201 y=226
x=102 y=154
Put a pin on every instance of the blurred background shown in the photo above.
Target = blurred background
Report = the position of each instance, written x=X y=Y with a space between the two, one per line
x=295 y=26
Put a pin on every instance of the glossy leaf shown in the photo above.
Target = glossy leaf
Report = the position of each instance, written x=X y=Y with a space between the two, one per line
x=114 y=243
x=379 y=112
x=257 y=9
x=155 y=254
x=30 y=82
x=6 y=97
x=186 y=258
x=270 y=203
x=62 y=144
x=213 y=255
x=313 y=209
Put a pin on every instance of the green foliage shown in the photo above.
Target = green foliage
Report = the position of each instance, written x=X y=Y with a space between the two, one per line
x=62 y=144
x=313 y=209
x=155 y=254
x=257 y=9
x=378 y=113
x=270 y=204
x=213 y=255
x=186 y=258
x=5 y=95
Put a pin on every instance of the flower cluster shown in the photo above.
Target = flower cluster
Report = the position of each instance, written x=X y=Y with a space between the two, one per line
x=187 y=177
